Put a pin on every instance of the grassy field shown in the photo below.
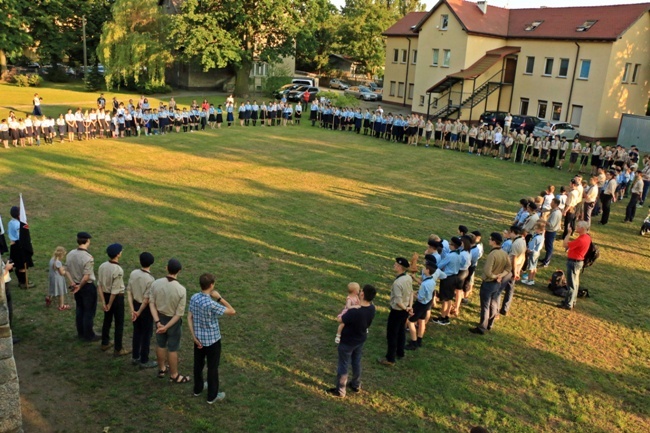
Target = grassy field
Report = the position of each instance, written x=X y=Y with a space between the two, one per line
x=286 y=217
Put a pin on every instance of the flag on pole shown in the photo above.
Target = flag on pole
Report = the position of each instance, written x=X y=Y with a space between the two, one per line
x=23 y=214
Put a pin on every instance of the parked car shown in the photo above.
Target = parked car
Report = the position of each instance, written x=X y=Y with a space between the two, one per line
x=304 y=81
x=527 y=123
x=282 y=91
x=335 y=83
x=375 y=87
x=561 y=129
x=492 y=118
x=362 y=92
x=299 y=93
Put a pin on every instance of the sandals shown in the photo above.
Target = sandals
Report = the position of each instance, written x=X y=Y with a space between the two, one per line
x=180 y=379
x=64 y=307
x=48 y=301
x=162 y=373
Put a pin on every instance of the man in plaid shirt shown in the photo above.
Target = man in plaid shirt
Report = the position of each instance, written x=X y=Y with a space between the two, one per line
x=205 y=309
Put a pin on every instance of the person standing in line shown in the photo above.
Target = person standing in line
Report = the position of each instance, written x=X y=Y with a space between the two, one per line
x=607 y=196
x=80 y=270
x=400 y=306
x=553 y=224
x=569 y=212
x=167 y=305
x=139 y=291
x=635 y=191
x=354 y=335
x=203 y=318
x=590 y=196
x=422 y=304
x=110 y=288
x=576 y=251
x=517 y=258
x=496 y=270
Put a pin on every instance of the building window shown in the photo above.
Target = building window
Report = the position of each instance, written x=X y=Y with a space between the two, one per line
x=414 y=60
x=626 y=72
x=434 y=104
x=400 y=90
x=585 y=66
x=564 y=68
x=635 y=74
x=436 y=54
x=411 y=88
x=446 y=57
x=421 y=100
x=444 y=22
x=557 y=111
x=395 y=55
x=530 y=64
x=392 y=88
x=404 y=54
x=548 y=67
x=576 y=115
x=523 y=106
x=541 y=109
x=260 y=69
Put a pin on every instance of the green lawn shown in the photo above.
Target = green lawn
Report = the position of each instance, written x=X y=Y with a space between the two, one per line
x=286 y=217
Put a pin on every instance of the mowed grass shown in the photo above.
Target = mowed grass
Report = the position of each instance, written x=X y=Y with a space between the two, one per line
x=286 y=217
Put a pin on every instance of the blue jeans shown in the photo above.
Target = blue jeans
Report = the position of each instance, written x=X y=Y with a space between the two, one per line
x=646 y=187
x=573 y=269
x=489 y=294
x=86 y=299
x=349 y=353
x=549 y=239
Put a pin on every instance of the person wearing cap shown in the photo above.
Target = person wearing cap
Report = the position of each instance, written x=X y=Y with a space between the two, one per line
x=517 y=257
x=80 y=264
x=607 y=196
x=635 y=191
x=400 y=305
x=496 y=271
x=203 y=319
x=110 y=289
x=424 y=299
x=167 y=304
x=576 y=252
x=139 y=290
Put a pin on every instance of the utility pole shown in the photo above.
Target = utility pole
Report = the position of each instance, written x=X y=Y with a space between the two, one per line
x=83 y=21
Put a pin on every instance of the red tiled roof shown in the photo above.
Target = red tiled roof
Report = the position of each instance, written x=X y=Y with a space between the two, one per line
x=558 y=23
x=404 y=26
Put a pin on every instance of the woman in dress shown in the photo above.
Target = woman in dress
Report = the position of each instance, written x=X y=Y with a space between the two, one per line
x=57 y=287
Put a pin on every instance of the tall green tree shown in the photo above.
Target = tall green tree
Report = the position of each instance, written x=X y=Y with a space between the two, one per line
x=135 y=44
x=13 y=30
x=318 y=34
x=236 y=33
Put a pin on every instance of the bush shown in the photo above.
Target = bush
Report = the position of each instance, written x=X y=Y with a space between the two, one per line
x=35 y=80
x=150 y=89
x=57 y=75
x=95 y=80
x=278 y=77
x=9 y=76
x=339 y=100
x=21 y=80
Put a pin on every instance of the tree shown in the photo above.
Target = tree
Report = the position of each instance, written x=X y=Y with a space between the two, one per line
x=13 y=31
x=220 y=33
x=318 y=35
x=134 y=45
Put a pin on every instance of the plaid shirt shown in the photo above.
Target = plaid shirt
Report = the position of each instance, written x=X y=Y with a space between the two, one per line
x=205 y=318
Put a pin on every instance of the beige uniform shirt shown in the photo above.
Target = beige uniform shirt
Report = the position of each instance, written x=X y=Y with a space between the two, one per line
x=401 y=291
x=140 y=285
x=110 y=278
x=518 y=251
x=530 y=222
x=78 y=263
x=497 y=262
x=637 y=187
x=169 y=296
x=554 y=220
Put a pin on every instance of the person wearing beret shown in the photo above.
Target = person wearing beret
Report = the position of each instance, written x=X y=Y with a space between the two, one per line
x=400 y=305
x=110 y=288
x=80 y=270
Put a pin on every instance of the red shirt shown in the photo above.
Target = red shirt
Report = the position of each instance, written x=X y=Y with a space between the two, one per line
x=578 y=248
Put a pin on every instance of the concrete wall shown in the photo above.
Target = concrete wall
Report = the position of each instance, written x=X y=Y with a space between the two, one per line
x=395 y=72
x=10 y=416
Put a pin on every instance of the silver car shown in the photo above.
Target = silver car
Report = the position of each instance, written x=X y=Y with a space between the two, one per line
x=362 y=92
x=561 y=129
x=335 y=83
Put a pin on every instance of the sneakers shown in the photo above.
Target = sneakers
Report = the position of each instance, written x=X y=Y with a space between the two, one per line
x=354 y=389
x=333 y=392
x=524 y=281
x=205 y=386
x=105 y=347
x=220 y=396
x=121 y=352
x=411 y=346
x=477 y=331
x=135 y=361
x=384 y=361
x=442 y=321
x=529 y=282
x=149 y=364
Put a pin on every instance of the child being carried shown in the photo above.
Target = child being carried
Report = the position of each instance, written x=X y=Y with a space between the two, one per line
x=352 y=301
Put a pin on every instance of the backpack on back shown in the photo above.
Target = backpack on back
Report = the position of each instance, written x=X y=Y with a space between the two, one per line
x=593 y=253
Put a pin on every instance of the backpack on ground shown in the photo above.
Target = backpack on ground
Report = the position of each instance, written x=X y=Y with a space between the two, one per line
x=593 y=253
x=557 y=283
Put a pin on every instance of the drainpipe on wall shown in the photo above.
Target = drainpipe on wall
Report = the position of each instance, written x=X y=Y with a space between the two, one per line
x=406 y=79
x=573 y=80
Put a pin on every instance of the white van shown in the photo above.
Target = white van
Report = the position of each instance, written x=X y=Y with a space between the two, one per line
x=306 y=81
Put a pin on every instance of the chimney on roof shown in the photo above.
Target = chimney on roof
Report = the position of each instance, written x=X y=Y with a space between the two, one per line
x=482 y=5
